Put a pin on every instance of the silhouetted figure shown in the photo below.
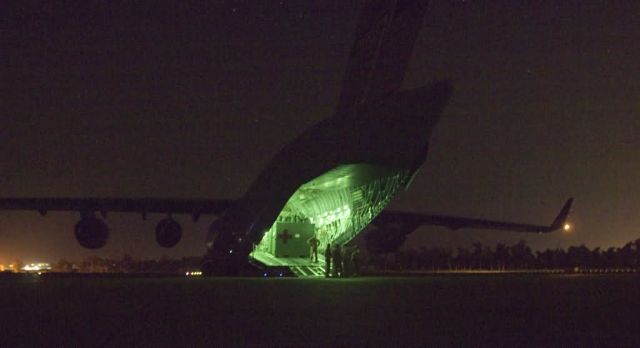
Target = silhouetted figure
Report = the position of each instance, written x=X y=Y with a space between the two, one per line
x=337 y=261
x=327 y=261
x=355 y=261
x=313 y=246
x=346 y=261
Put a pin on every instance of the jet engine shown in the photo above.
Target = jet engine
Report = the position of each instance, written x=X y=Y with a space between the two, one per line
x=168 y=233
x=91 y=232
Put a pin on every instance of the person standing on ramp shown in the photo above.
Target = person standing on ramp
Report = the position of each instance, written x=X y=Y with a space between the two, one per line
x=337 y=261
x=327 y=261
x=313 y=248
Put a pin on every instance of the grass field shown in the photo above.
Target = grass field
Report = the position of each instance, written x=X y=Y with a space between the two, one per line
x=469 y=310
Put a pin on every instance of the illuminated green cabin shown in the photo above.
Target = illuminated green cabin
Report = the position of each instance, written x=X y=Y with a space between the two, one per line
x=334 y=207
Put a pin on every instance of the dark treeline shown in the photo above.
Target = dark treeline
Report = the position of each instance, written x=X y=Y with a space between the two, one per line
x=478 y=257
x=128 y=264
x=503 y=257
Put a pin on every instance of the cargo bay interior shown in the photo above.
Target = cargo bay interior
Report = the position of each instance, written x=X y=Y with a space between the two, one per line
x=334 y=208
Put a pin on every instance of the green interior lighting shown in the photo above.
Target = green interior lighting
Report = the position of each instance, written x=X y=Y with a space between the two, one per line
x=334 y=207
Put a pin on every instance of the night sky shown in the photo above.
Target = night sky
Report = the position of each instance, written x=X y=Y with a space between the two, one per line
x=191 y=100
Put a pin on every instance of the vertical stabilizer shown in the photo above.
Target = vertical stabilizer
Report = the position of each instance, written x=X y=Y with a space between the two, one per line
x=385 y=35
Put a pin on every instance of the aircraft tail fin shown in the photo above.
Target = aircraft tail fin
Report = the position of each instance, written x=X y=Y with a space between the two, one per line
x=385 y=36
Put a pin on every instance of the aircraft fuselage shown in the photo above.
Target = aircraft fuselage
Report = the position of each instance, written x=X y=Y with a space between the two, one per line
x=383 y=142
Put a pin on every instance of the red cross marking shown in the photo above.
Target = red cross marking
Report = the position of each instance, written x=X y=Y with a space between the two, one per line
x=285 y=236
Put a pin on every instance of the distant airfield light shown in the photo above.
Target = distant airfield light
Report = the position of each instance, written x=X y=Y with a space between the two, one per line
x=38 y=267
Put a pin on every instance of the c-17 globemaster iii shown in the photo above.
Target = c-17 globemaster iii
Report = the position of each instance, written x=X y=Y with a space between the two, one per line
x=331 y=181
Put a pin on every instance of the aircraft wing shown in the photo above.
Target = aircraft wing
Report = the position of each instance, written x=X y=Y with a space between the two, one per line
x=194 y=207
x=413 y=220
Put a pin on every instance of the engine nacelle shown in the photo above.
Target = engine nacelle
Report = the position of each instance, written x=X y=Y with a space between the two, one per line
x=168 y=233
x=91 y=232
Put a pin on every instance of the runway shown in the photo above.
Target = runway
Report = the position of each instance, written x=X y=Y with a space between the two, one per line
x=453 y=310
